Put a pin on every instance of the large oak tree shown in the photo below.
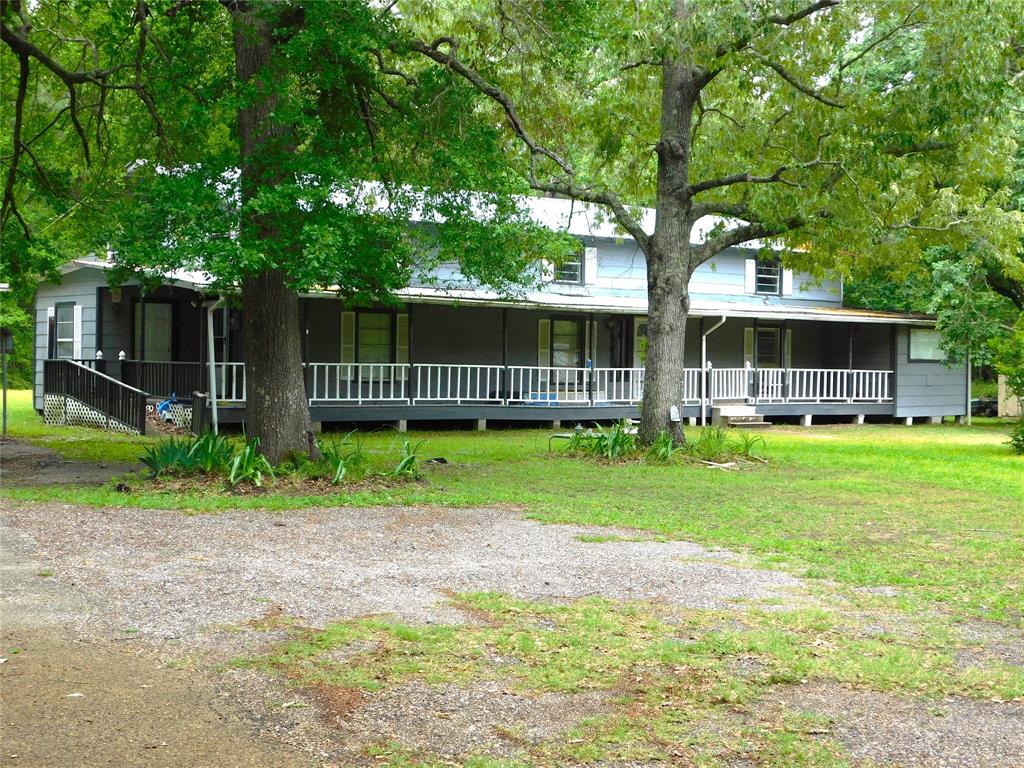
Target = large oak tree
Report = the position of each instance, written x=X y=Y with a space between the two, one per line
x=851 y=134
x=278 y=146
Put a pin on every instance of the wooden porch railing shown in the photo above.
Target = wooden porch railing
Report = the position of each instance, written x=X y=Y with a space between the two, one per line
x=107 y=396
x=163 y=379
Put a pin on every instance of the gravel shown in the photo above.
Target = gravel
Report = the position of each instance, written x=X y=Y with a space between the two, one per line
x=169 y=576
x=893 y=730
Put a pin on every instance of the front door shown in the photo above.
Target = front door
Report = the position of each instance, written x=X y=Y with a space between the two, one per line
x=158 y=331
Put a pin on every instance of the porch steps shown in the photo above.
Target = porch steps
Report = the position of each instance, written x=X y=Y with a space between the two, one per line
x=744 y=416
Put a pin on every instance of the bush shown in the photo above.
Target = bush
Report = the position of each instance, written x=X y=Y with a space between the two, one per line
x=169 y=457
x=711 y=444
x=250 y=464
x=1016 y=440
x=614 y=443
x=343 y=457
x=662 y=449
x=211 y=454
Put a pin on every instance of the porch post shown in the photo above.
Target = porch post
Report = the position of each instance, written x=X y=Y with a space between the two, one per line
x=142 y=323
x=504 y=354
x=849 y=375
x=592 y=354
x=210 y=309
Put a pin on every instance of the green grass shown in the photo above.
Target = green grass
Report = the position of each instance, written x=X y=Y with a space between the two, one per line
x=936 y=511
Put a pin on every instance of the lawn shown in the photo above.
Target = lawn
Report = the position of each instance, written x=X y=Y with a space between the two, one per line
x=919 y=530
x=935 y=511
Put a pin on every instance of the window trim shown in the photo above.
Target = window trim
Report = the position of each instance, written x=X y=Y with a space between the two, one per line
x=911 y=359
x=360 y=313
x=581 y=260
x=777 y=263
x=57 y=340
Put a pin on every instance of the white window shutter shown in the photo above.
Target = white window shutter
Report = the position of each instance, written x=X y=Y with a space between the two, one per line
x=402 y=338
x=547 y=271
x=544 y=342
x=750 y=276
x=589 y=265
x=748 y=347
x=78 y=332
x=787 y=282
x=348 y=337
x=788 y=360
x=51 y=330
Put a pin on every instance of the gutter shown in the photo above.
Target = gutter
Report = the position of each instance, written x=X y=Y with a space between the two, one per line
x=704 y=368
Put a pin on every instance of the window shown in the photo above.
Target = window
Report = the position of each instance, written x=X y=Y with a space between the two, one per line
x=768 y=277
x=566 y=343
x=374 y=337
x=924 y=345
x=570 y=270
x=767 y=348
x=65 y=330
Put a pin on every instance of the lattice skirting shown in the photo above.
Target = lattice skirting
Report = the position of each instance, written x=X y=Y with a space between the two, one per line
x=181 y=414
x=67 y=411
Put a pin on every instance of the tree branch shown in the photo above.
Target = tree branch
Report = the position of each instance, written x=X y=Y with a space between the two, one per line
x=566 y=186
x=779 y=20
x=791 y=79
x=743 y=234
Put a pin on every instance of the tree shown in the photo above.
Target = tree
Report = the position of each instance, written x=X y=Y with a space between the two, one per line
x=276 y=146
x=848 y=133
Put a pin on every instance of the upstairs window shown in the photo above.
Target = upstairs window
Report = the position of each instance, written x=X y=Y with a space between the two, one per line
x=570 y=270
x=768 y=278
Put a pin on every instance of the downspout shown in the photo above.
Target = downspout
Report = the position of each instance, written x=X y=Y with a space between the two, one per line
x=211 y=307
x=704 y=368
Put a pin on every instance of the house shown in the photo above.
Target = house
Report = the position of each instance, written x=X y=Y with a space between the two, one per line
x=759 y=335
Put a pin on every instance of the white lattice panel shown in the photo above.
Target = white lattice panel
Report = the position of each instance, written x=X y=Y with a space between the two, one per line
x=70 y=412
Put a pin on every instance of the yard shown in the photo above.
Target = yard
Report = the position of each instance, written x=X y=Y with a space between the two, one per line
x=860 y=597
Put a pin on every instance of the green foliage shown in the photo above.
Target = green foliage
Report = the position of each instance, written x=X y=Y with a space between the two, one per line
x=614 y=443
x=1016 y=440
x=747 y=444
x=1009 y=359
x=344 y=457
x=408 y=464
x=662 y=449
x=249 y=465
x=711 y=444
x=169 y=457
x=211 y=454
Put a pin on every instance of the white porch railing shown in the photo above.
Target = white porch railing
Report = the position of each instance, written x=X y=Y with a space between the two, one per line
x=439 y=383
x=424 y=383
x=357 y=382
x=618 y=385
x=545 y=385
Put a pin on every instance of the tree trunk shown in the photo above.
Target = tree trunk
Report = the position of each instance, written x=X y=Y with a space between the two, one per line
x=669 y=262
x=277 y=411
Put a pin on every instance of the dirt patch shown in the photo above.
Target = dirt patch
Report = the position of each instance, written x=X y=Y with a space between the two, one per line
x=69 y=702
x=23 y=464
x=916 y=733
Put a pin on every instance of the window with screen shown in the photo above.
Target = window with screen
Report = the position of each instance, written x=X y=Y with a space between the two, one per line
x=374 y=337
x=768 y=348
x=925 y=346
x=768 y=276
x=566 y=344
x=570 y=270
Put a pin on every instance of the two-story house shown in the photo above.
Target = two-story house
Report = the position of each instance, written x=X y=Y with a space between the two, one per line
x=572 y=350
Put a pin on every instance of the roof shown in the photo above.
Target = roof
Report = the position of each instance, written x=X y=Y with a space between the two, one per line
x=638 y=306
x=199 y=281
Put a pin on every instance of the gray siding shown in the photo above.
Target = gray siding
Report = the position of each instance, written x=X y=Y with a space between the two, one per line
x=927 y=389
x=79 y=288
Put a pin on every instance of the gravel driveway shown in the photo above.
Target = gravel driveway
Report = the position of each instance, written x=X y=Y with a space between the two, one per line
x=165 y=575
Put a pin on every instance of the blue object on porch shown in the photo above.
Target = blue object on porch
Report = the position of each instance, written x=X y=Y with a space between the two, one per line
x=163 y=408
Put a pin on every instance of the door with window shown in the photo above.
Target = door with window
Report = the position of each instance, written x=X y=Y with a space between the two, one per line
x=157 y=332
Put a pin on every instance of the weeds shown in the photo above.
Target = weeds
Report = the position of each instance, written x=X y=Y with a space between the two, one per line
x=169 y=457
x=662 y=449
x=408 y=464
x=344 y=457
x=617 y=442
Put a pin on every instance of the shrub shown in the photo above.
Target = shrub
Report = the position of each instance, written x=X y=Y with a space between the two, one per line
x=663 y=448
x=408 y=464
x=614 y=443
x=211 y=454
x=343 y=457
x=746 y=443
x=168 y=457
x=249 y=464
x=1016 y=440
x=710 y=444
